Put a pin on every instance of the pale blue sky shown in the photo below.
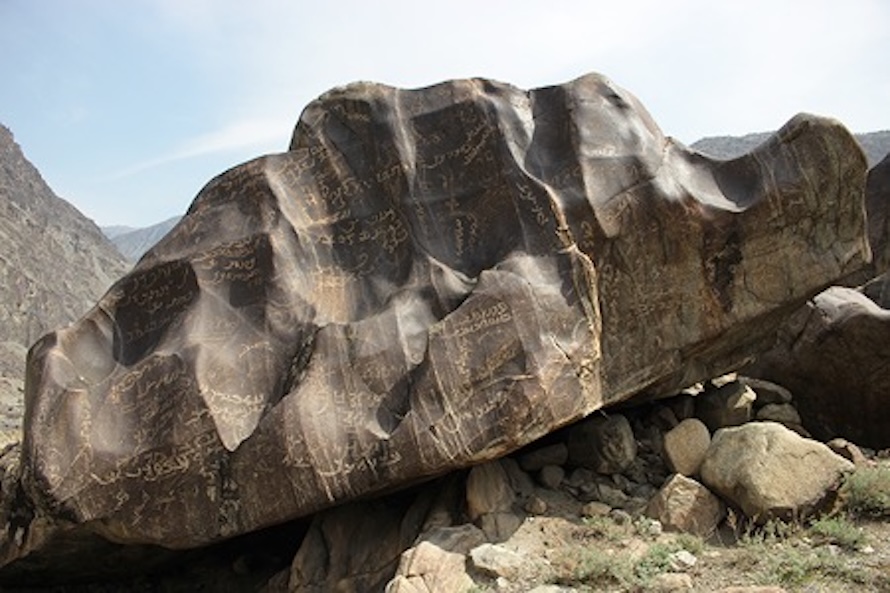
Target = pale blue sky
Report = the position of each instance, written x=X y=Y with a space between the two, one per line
x=129 y=107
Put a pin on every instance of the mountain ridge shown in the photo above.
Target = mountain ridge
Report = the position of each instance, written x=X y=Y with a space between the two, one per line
x=876 y=145
x=54 y=263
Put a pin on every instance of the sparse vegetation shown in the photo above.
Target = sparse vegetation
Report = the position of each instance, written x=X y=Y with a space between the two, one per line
x=826 y=555
x=866 y=493
x=599 y=570
x=839 y=531
x=625 y=569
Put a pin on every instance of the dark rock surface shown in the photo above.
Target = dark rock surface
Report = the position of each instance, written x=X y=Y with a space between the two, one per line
x=877 y=200
x=834 y=356
x=426 y=280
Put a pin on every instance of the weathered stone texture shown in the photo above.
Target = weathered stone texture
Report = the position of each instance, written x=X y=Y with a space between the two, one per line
x=426 y=280
x=833 y=354
x=771 y=472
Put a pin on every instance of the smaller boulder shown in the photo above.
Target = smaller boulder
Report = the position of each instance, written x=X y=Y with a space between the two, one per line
x=536 y=459
x=730 y=404
x=770 y=472
x=685 y=505
x=604 y=444
x=683 y=406
x=551 y=476
x=437 y=562
x=848 y=451
x=594 y=508
x=767 y=392
x=489 y=490
x=491 y=500
x=782 y=413
x=496 y=561
x=535 y=505
x=663 y=417
x=685 y=446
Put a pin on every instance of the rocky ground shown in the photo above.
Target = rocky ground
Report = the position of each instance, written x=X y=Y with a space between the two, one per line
x=564 y=550
x=620 y=515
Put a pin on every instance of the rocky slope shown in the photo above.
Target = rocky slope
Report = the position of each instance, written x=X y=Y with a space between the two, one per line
x=875 y=144
x=134 y=242
x=54 y=264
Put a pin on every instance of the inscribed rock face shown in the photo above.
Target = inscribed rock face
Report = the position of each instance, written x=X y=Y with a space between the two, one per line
x=425 y=280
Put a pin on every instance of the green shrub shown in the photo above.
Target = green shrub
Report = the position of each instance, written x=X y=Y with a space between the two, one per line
x=601 y=570
x=866 y=492
x=656 y=561
x=840 y=531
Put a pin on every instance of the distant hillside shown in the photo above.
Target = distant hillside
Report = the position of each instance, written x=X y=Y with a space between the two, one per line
x=54 y=264
x=875 y=144
x=135 y=242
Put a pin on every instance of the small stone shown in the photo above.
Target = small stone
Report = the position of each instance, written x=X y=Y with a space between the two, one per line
x=644 y=491
x=499 y=526
x=535 y=505
x=687 y=506
x=782 y=413
x=551 y=476
x=636 y=506
x=610 y=495
x=459 y=538
x=521 y=482
x=595 y=509
x=668 y=582
x=867 y=550
x=767 y=392
x=581 y=476
x=488 y=490
x=495 y=560
x=428 y=567
x=683 y=406
x=683 y=560
x=536 y=459
x=649 y=527
x=605 y=444
x=622 y=483
x=685 y=446
x=848 y=451
x=728 y=405
x=620 y=517
x=637 y=471
x=663 y=417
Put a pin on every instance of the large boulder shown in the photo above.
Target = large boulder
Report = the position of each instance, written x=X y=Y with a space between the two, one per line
x=834 y=356
x=877 y=203
x=770 y=472
x=424 y=281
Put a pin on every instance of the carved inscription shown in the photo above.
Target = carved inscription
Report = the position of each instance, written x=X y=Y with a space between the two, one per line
x=148 y=303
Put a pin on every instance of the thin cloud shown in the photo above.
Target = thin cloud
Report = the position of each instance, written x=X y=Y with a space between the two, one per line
x=250 y=134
